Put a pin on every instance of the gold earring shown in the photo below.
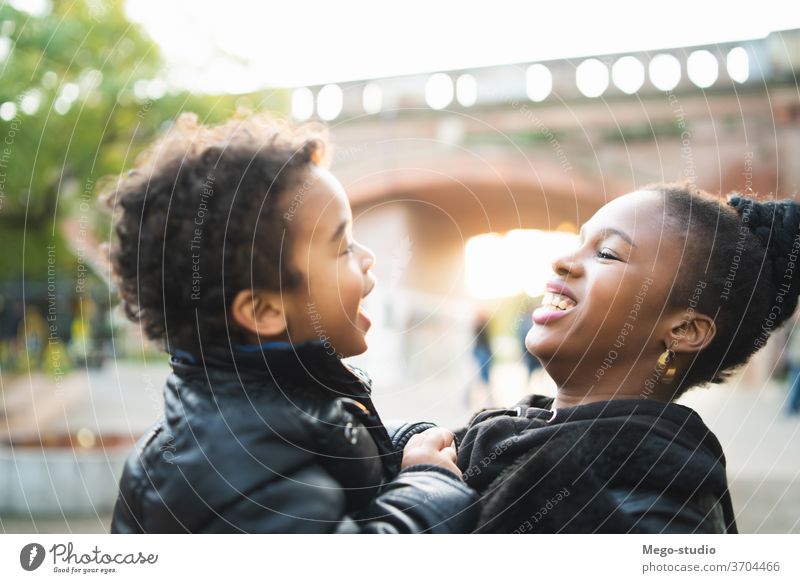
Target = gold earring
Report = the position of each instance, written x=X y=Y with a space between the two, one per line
x=663 y=361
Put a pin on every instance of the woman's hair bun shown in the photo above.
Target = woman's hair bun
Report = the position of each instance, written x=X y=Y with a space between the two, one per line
x=776 y=223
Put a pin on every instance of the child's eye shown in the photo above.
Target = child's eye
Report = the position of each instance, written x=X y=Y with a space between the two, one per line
x=605 y=254
x=348 y=249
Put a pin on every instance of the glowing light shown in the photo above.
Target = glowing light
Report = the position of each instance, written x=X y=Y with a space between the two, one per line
x=31 y=101
x=5 y=47
x=329 y=102
x=538 y=82
x=302 y=103
x=86 y=437
x=665 y=72
x=8 y=110
x=628 y=74
x=372 y=98
x=70 y=91
x=498 y=266
x=702 y=68
x=439 y=91
x=591 y=77
x=62 y=105
x=32 y=7
x=466 y=90
x=738 y=65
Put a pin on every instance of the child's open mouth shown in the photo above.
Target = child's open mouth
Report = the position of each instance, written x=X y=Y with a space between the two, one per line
x=362 y=313
x=554 y=306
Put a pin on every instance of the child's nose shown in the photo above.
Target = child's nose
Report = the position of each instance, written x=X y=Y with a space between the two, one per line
x=368 y=259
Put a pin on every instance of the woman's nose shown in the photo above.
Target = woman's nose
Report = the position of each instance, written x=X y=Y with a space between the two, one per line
x=566 y=266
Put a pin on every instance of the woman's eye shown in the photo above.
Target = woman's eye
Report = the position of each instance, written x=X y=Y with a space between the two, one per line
x=348 y=249
x=606 y=254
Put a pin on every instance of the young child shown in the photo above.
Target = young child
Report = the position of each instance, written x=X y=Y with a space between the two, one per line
x=234 y=250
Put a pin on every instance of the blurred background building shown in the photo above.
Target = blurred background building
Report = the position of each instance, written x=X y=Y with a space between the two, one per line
x=465 y=181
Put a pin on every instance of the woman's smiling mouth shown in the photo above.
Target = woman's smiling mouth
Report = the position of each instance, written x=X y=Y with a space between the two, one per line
x=554 y=306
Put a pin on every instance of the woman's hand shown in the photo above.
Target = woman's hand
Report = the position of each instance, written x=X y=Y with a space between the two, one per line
x=435 y=446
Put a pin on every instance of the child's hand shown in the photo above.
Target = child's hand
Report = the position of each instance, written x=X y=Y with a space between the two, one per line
x=433 y=446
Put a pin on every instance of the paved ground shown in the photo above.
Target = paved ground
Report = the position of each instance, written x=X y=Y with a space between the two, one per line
x=121 y=398
x=761 y=443
x=762 y=447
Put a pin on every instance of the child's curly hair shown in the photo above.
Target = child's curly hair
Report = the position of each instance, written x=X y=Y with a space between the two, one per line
x=201 y=217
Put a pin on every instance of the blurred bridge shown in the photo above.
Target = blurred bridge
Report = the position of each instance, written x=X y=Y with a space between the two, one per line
x=431 y=160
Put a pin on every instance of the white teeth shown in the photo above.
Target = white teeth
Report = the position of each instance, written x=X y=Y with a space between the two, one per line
x=557 y=301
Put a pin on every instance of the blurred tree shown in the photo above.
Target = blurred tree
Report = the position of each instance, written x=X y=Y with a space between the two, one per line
x=60 y=88
x=80 y=94
x=82 y=91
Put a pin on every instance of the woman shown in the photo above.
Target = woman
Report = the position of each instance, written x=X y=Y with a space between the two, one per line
x=670 y=288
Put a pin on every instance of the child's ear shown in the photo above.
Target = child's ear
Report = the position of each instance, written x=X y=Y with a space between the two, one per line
x=259 y=312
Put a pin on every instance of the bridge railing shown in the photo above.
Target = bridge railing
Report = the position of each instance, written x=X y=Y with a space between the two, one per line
x=772 y=59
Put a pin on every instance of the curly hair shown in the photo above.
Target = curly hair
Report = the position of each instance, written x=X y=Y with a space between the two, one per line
x=201 y=218
x=742 y=272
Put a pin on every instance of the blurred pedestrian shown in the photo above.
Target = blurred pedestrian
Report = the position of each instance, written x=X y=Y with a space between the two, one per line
x=480 y=393
x=532 y=364
x=793 y=378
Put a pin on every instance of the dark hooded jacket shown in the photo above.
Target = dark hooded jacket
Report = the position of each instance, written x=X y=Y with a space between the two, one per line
x=281 y=439
x=620 y=466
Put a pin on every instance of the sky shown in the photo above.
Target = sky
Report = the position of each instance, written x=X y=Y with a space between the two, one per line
x=245 y=45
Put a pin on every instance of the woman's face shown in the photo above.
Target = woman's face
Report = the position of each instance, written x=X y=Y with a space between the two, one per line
x=620 y=276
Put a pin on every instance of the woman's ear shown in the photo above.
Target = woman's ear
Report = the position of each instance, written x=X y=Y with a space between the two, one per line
x=259 y=312
x=693 y=334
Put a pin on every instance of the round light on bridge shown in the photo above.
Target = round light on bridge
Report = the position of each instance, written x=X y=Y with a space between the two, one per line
x=738 y=64
x=372 y=98
x=302 y=103
x=466 y=90
x=702 y=68
x=665 y=72
x=329 y=102
x=439 y=91
x=591 y=76
x=538 y=82
x=628 y=74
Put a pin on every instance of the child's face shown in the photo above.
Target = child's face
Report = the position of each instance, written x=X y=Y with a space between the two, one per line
x=326 y=305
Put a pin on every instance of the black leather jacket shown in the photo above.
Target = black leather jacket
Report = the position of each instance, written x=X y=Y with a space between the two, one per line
x=281 y=439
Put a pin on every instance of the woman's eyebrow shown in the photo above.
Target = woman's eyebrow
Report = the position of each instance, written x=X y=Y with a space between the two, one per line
x=608 y=231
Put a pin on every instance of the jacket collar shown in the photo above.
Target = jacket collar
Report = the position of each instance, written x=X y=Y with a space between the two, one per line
x=669 y=416
x=281 y=363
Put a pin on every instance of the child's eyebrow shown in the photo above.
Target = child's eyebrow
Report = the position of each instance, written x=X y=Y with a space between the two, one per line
x=611 y=231
x=339 y=231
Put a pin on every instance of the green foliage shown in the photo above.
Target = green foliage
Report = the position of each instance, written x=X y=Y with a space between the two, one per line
x=81 y=94
x=61 y=80
x=36 y=249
